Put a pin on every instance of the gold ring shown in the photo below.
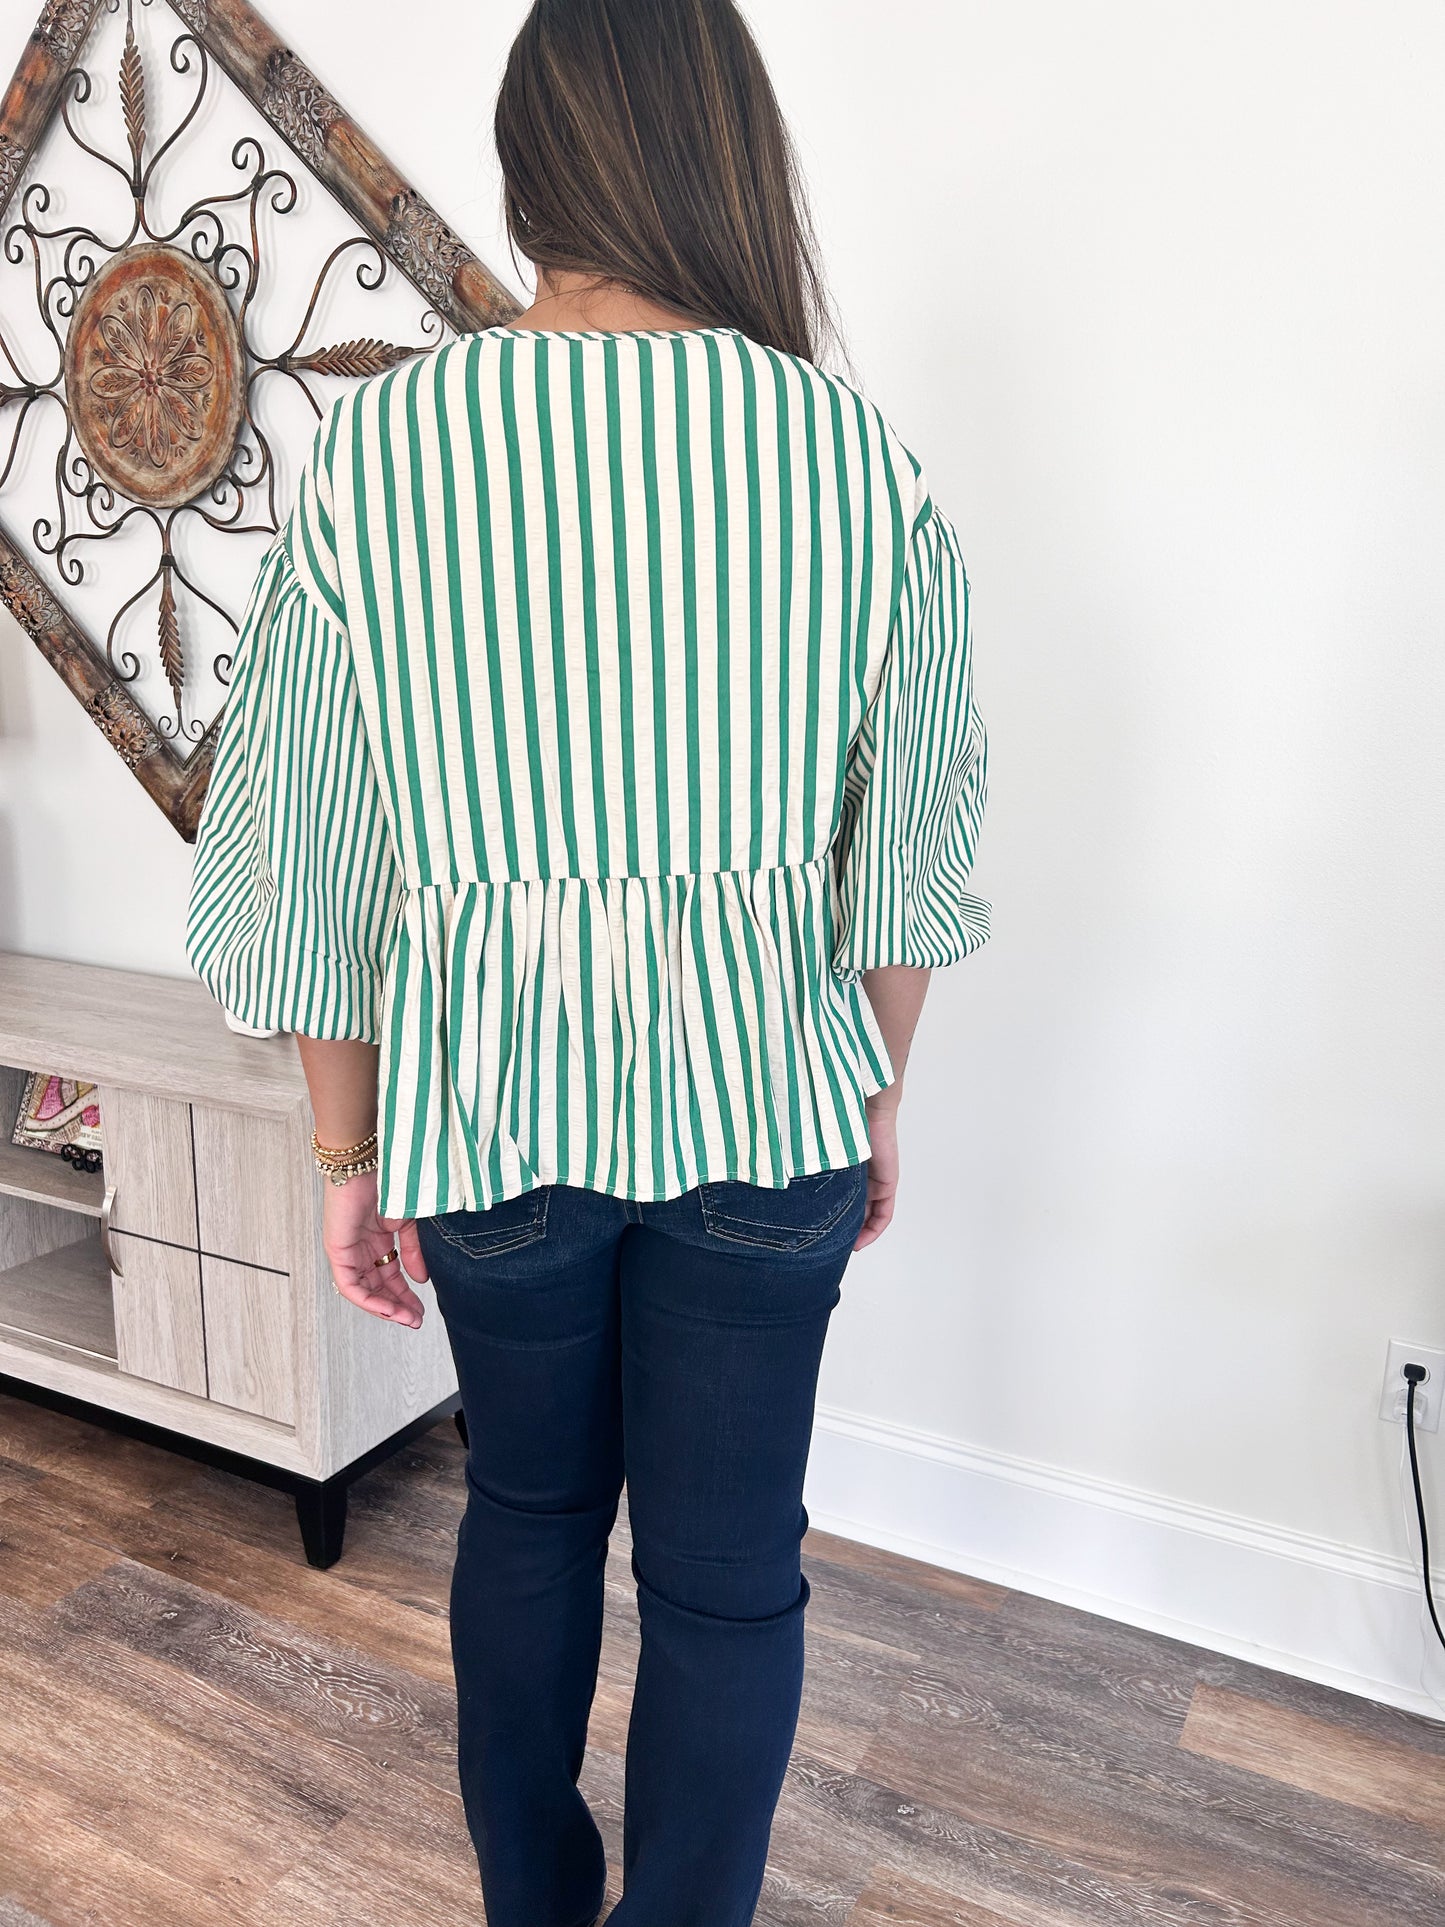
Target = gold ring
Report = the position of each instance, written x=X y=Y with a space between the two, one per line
x=389 y=1259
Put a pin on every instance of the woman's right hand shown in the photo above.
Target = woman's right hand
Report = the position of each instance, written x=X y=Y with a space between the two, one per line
x=895 y=993
x=882 y=1173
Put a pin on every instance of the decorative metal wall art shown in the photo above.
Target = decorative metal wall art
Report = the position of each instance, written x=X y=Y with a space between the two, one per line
x=148 y=361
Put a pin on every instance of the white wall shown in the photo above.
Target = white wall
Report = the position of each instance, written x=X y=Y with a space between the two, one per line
x=1157 y=294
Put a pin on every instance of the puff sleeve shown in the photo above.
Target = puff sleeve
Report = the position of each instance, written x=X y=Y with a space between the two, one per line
x=917 y=779
x=296 y=887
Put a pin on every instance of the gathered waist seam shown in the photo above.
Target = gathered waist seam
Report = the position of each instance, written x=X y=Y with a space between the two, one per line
x=619 y=876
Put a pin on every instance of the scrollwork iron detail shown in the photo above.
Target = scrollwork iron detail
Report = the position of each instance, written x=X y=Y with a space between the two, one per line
x=297 y=104
x=122 y=724
x=28 y=600
x=12 y=164
x=424 y=247
x=65 y=23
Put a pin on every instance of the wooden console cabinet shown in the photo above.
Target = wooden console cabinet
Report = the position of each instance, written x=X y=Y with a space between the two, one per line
x=184 y=1291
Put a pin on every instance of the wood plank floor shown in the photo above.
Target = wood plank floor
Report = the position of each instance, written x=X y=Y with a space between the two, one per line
x=197 y=1730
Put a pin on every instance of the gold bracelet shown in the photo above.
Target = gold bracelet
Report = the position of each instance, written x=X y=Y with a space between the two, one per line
x=352 y=1162
x=368 y=1143
x=343 y=1173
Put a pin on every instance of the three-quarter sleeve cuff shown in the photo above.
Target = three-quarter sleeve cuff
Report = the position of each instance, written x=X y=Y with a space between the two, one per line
x=902 y=925
x=270 y=987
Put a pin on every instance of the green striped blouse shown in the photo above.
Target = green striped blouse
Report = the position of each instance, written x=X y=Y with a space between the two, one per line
x=601 y=712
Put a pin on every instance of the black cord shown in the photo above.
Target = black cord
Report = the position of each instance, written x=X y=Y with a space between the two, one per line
x=1415 y=1373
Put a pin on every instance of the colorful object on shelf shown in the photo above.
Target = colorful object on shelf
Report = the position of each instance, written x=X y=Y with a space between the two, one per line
x=60 y=1114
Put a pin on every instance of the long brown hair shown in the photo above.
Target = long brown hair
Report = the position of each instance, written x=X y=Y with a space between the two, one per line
x=641 y=142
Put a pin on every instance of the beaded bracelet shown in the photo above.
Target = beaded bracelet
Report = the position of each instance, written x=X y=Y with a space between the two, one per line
x=352 y=1162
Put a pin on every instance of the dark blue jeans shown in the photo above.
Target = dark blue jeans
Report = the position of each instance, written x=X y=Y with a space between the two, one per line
x=675 y=1346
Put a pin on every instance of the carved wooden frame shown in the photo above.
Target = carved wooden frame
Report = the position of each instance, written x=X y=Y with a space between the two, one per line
x=385 y=207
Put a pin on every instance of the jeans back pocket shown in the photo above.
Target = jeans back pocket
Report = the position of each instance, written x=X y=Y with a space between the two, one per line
x=504 y=1226
x=787 y=1218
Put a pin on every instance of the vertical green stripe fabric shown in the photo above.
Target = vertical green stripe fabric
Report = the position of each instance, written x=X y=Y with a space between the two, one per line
x=602 y=712
x=917 y=783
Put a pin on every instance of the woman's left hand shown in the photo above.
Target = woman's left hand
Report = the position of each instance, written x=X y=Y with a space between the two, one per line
x=357 y=1242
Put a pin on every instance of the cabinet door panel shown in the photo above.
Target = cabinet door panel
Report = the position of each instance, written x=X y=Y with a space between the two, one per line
x=248 y=1338
x=159 y=1332
x=149 y=1165
x=243 y=1172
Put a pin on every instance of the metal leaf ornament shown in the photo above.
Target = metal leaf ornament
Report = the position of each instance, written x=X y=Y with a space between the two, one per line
x=133 y=96
x=172 y=660
x=369 y=357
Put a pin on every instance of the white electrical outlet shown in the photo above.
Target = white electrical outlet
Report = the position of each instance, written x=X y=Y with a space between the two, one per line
x=1429 y=1393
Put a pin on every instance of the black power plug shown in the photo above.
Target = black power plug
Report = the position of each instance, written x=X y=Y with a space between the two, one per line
x=1415 y=1376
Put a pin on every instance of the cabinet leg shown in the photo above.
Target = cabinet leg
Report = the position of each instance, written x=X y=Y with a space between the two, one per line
x=460 y=1418
x=321 y=1515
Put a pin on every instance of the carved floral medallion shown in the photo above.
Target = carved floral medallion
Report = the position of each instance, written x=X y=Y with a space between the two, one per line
x=155 y=375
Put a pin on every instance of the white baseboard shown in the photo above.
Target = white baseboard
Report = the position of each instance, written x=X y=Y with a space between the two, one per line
x=1331 y=1613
